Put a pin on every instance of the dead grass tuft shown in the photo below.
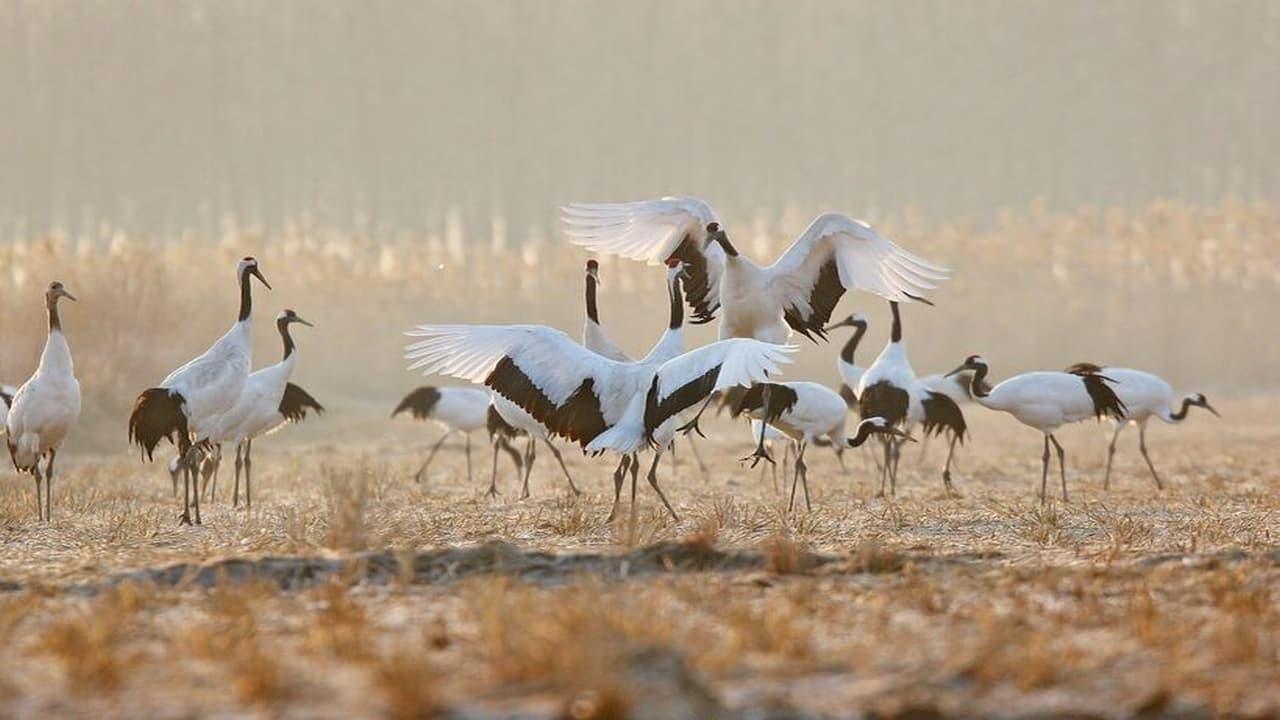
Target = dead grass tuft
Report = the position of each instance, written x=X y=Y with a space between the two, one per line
x=785 y=556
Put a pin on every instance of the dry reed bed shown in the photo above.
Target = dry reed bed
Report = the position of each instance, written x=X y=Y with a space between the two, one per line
x=1162 y=288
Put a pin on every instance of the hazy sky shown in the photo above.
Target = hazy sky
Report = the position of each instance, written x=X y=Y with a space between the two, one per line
x=161 y=115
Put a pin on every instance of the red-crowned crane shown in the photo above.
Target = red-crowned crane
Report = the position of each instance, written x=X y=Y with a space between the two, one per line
x=186 y=406
x=1046 y=400
x=806 y=412
x=891 y=390
x=604 y=405
x=46 y=407
x=1144 y=396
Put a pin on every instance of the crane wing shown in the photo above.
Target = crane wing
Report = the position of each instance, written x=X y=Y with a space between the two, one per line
x=838 y=253
x=574 y=392
x=655 y=231
x=689 y=379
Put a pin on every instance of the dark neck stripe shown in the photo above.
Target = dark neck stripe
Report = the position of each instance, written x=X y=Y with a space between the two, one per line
x=592 y=312
x=850 y=347
x=865 y=430
x=896 y=335
x=283 y=326
x=55 y=322
x=246 y=296
x=677 y=305
x=978 y=387
x=1182 y=412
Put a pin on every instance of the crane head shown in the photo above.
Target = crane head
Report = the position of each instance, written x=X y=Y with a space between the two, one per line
x=249 y=264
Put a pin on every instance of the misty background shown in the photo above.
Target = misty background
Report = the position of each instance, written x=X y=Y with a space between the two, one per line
x=165 y=116
x=1102 y=176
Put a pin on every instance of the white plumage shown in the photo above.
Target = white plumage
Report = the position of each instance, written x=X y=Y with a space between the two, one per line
x=1046 y=400
x=798 y=291
x=46 y=407
x=850 y=371
x=1145 y=396
x=602 y=404
x=806 y=412
x=890 y=389
x=191 y=401
x=258 y=408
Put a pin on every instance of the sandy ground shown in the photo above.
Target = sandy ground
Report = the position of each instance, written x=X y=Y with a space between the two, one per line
x=351 y=590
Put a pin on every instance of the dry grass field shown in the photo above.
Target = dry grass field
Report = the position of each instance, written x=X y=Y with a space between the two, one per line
x=350 y=590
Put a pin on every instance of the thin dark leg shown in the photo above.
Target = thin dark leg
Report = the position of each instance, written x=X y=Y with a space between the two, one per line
x=1142 y=445
x=653 y=481
x=804 y=474
x=185 y=518
x=884 y=468
x=619 y=477
x=692 y=425
x=1044 y=471
x=35 y=473
x=48 y=486
x=1062 y=465
x=195 y=492
x=897 y=457
x=697 y=456
x=530 y=456
x=1111 y=455
x=560 y=459
x=468 y=445
x=417 y=477
x=512 y=453
x=795 y=480
x=837 y=444
x=248 y=473
x=493 y=475
x=235 y=489
x=635 y=472
x=946 y=469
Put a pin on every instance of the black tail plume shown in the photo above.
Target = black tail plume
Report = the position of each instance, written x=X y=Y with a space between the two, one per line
x=421 y=403
x=157 y=415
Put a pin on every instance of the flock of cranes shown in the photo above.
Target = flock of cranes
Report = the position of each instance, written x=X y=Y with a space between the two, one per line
x=540 y=384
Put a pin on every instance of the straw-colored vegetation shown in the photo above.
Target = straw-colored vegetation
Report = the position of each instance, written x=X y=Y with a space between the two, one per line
x=361 y=597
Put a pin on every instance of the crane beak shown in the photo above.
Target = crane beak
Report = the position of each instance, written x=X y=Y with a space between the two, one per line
x=1209 y=407
x=304 y=322
x=899 y=434
x=258 y=274
x=68 y=296
x=958 y=370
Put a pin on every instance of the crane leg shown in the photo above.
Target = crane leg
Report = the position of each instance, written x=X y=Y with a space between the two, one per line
x=1111 y=455
x=795 y=480
x=417 y=477
x=635 y=472
x=1062 y=465
x=35 y=473
x=530 y=455
x=803 y=469
x=692 y=425
x=248 y=473
x=493 y=474
x=510 y=450
x=653 y=482
x=1142 y=445
x=235 y=489
x=555 y=451
x=467 y=436
x=946 y=469
x=48 y=486
x=897 y=460
x=1044 y=470
x=697 y=456
x=619 y=477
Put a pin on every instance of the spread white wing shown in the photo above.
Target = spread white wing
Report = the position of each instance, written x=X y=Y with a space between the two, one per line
x=838 y=253
x=655 y=231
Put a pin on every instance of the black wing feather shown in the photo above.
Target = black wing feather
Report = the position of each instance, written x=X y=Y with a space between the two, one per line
x=295 y=402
